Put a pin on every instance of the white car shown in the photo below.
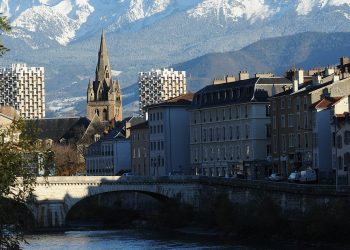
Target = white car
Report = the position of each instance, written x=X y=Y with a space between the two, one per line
x=275 y=177
x=308 y=176
x=294 y=177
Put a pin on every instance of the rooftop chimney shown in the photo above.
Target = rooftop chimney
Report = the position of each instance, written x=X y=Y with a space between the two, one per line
x=243 y=75
x=344 y=60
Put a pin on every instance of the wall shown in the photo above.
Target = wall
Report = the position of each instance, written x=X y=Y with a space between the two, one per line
x=122 y=155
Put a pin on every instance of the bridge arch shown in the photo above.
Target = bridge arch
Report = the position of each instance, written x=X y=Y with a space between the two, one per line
x=114 y=207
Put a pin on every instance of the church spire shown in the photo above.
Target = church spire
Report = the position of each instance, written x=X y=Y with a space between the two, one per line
x=103 y=70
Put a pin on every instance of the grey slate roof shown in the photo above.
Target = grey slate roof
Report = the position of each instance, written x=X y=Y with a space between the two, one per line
x=243 y=91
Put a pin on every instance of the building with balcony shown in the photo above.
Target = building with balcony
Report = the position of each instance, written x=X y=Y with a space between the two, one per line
x=159 y=85
x=230 y=126
x=23 y=88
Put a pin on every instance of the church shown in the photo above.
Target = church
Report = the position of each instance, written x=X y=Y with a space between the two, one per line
x=104 y=96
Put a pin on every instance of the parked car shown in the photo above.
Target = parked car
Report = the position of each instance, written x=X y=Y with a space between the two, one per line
x=294 y=177
x=275 y=177
x=308 y=176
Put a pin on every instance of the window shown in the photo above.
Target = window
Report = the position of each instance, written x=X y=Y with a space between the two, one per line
x=275 y=144
x=291 y=140
x=346 y=161
x=204 y=135
x=297 y=103
x=231 y=132
x=283 y=121
x=347 y=137
x=282 y=103
x=289 y=101
x=305 y=120
x=290 y=120
x=247 y=131
x=246 y=111
x=340 y=162
x=237 y=132
x=306 y=140
x=274 y=122
x=268 y=149
x=210 y=134
x=339 y=141
x=284 y=144
x=267 y=110
x=268 y=130
x=305 y=102
x=224 y=133
x=299 y=141
x=237 y=111
x=247 y=151
x=217 y=134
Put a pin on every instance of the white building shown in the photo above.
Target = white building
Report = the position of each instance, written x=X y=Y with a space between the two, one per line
x=169 y=136
x=159 y=85
x=230 y=127
x=323 y=117
x=23 y=88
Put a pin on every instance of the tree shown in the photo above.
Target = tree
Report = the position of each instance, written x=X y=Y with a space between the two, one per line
x=17 y=180
x=4 y=27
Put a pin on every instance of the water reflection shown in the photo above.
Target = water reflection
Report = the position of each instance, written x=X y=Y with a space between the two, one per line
x=120 y=239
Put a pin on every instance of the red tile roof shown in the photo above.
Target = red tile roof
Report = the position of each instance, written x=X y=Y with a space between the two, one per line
x=326 y=102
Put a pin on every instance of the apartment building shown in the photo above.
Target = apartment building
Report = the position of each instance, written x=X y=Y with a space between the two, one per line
x=139 y=135
x=293 y=120
x=23 y=88
x=230 y=126
x=159 y=85
x=169 y=135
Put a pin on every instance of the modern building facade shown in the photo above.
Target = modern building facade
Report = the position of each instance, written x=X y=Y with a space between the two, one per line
x=104 y=96
x=160 y=85
x=139 y=135
x=23 y=88
x=169 y=135
x=230 y=127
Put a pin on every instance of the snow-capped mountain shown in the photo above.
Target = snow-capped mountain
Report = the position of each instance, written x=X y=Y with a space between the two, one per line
x=63 y=35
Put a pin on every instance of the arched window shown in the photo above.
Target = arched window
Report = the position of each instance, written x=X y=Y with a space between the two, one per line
x=105 y=115
x=97 y=112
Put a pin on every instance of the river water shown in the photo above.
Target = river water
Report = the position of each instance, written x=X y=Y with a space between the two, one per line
x=129 y=239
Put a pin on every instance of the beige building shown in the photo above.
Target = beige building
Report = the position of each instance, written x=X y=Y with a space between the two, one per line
x=229 y=126
x=294 y=130
x=140 y=149
x=160 y=85
x=104 y=96
x=23 y=88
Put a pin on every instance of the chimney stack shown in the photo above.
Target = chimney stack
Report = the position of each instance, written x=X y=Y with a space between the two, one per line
x=243 y=75
x=344 y=60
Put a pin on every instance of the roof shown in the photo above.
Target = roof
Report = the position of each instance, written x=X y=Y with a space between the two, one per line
x=50 y=128
x=142 y=125
x=243 y=91
x=182 y=100
x=326 y=102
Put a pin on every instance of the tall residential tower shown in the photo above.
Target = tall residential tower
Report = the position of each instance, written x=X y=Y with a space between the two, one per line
x=159 y=85
x=23 y=88
x=104 y=96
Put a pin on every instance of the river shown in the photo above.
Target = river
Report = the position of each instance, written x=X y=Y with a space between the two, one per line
x=134 y=239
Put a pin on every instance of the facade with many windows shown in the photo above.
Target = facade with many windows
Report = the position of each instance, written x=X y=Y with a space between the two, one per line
x=23 y=88
x=140 y=149
x=230 y=127
x=169 y=136
x=160 y=85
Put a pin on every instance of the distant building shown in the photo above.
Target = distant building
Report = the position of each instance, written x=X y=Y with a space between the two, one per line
x=104 y=96
x=295 y=126
x=325 y=112
x=160 y=85
x=111 y=152
x=341 y=147
x=139 y=135
x=230 y=127
x=23 y=88
x=169 y=135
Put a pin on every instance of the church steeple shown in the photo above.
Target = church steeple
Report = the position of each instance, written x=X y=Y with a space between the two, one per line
x=103 y=69
x=104 y=96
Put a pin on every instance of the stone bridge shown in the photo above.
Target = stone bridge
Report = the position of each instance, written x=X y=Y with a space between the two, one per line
x=55 y=196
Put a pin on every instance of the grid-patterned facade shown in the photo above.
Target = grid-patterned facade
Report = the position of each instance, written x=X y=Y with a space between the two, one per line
x=23 y=88
x=159 y=85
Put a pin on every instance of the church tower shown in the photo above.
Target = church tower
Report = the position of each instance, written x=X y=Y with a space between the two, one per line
x=104 y=96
